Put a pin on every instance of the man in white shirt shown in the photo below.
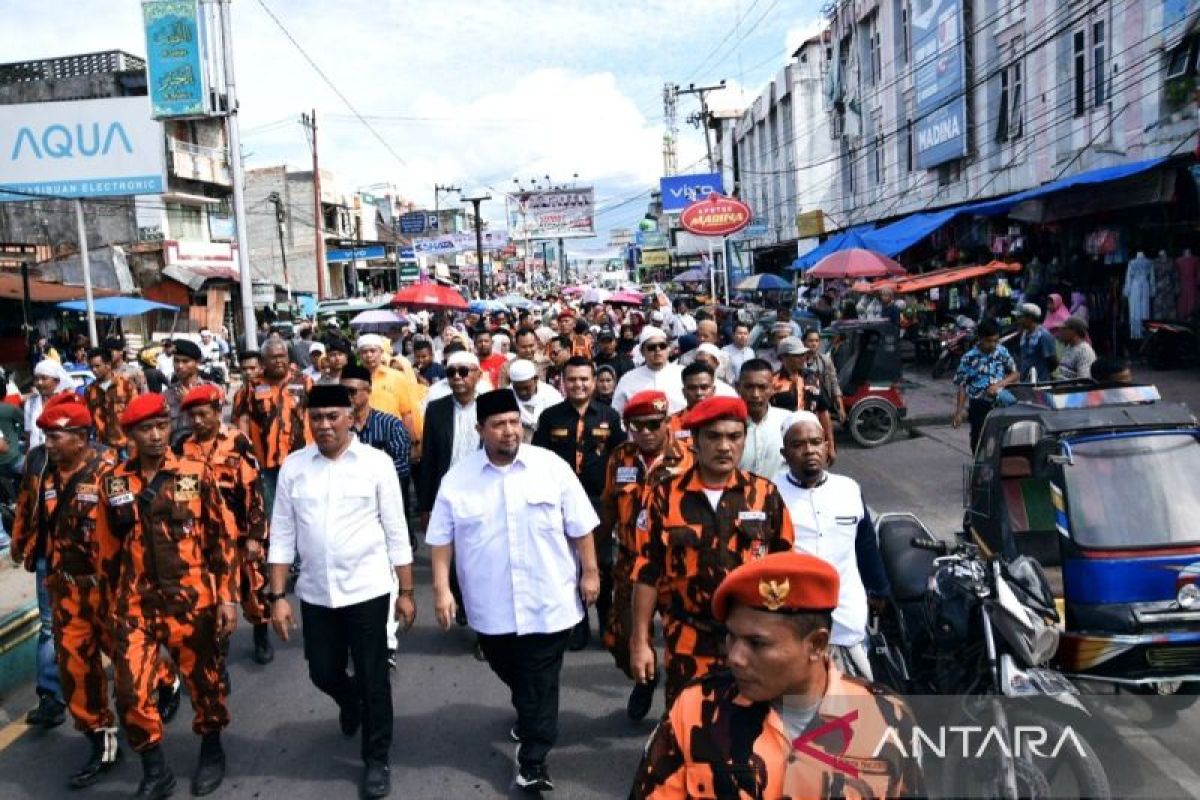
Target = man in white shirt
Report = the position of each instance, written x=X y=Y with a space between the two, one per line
x=831 y=522
x=739 y=351
x=708 y=353
x=762 y=454
x=519 y=526
x=49 y=378
x=533 y=395
x=338 y=506
x=657 y=373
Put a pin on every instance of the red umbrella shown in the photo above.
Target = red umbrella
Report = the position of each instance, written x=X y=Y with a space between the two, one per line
x=429 y=295
x=854 y=263
x=626 y=297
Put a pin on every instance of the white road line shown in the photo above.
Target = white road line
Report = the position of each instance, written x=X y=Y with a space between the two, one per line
x=1170 y=765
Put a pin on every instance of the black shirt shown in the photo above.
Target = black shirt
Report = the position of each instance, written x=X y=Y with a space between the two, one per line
x=618 y=361
x=584 y=442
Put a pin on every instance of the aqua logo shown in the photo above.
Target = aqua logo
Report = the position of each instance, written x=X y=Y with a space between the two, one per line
x=63 y=141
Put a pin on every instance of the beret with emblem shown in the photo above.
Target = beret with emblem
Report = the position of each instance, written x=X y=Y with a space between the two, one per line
x=785 y=582
x=715 y=409
x=188 y=349
x=65 y=411
x=144 y=407
x=201 y=395
x=646 y=404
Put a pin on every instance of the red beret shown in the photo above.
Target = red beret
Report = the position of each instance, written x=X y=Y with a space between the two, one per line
x=646 y=404
x=713 y=409
x=202 y=394
x=566 y=313
x=64 y=411
x=788 y=581
x=144 y=407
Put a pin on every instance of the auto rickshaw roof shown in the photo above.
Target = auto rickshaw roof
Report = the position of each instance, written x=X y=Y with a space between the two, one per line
x=1067 y=420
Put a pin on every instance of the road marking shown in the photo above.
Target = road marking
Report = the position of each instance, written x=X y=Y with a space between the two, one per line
x=12 y=732
x=1164 y=761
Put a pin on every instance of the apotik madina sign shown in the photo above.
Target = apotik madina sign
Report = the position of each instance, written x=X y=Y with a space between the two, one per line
x=715 y=216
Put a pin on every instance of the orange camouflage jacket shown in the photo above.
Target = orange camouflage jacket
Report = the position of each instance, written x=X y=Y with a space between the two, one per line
x=714 y=743
x=230 y=459
x=627 y=481
x=107 y=405
x=277 y=425
x=56 y=518
x=162 y=546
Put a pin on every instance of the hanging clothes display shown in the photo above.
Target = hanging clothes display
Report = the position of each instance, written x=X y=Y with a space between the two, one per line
x=1166 y=287
x=1187 y=268
x=1138 y=289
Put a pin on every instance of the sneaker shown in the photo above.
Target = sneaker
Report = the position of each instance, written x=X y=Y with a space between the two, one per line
x=50 y=713
x=534 y=778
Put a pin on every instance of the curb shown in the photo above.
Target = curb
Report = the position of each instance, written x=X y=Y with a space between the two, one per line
x=18 y=640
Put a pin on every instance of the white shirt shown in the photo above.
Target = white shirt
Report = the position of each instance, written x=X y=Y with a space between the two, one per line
x=737 y=357
x=510 y=528
x=531 y=409
x=668 y=380
x=825 y=519
x=165 y=365
x=345 y=518
x=466 y=436
x=723 y=389
x=764 y=443
x=34 y=405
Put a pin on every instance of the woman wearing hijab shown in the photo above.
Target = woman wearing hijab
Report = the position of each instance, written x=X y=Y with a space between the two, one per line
x=1056 y=313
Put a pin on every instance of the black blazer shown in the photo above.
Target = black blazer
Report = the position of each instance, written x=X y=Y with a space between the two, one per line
x=437 y=446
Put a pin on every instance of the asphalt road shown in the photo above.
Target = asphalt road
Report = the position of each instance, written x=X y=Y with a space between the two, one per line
x=453 y=715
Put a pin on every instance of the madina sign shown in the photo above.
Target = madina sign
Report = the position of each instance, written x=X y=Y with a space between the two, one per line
x=81 y=148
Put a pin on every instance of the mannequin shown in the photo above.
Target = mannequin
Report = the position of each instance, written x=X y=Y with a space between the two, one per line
x=1035 y=278
x=1166 y=287
x=1138 y=289
x=1187 y=267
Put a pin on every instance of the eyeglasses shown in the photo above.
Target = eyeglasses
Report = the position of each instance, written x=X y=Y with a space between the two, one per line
x=457 y=372
x=651 y=425
x=655 y=346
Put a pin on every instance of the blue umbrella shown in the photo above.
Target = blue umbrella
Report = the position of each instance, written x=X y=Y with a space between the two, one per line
x=486 y=306
x=516 y=301
x=118 y=306
x=763 y=282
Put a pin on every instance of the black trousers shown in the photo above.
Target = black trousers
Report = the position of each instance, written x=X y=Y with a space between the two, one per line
x=604 y=563
x=977 y=411
x=530 y=665
x=358 y=633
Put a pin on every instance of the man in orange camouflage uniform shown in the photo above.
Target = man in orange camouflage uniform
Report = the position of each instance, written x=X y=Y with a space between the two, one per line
x=581 y=340
x=782 y=721
x=695 y=529
x=56 y=521
x=230 y=458
x=648 y=457
x=271 y=414
x=172 y=570
x=699 y=383
x=107 y=397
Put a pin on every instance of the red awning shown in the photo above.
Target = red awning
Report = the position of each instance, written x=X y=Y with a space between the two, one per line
x=943 y=277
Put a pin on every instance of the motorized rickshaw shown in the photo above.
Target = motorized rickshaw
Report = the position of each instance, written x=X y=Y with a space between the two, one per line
x=1099 y=484
x=866 y=354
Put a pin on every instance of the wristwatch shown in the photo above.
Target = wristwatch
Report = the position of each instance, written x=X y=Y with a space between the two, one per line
x=273 y=596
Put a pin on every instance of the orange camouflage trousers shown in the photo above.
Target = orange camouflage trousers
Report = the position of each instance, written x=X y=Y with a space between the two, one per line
x=619 y=624
x=691 y=653
x=192 y=642
x=81 y=640
x=252 y=586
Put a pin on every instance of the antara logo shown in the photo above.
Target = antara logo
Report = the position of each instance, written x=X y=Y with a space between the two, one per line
x=63 y=141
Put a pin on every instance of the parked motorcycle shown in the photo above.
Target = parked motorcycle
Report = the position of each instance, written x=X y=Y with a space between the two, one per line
x=983 y=630
x=955 y=343
x=1169 y=344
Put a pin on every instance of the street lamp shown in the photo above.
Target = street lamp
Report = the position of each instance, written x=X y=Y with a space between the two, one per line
x=475 y=200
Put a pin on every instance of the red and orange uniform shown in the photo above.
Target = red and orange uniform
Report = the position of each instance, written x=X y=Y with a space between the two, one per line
x=274 y=413
x=106 y=404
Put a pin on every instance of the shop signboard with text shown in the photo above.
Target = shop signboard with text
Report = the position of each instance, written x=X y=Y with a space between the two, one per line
x=174 y=59
x=939 y=81
x=715 y=216
x=552 y=214
x=679 y=191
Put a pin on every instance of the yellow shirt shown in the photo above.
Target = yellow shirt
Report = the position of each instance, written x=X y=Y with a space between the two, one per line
x=394 y=393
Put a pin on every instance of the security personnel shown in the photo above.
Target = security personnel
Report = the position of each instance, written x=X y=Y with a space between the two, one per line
x=107 y=397
x=56 y=520
x=272 y=414
x=782 y=721
x=230 y=458
x=648 y=457
x=584 y=433
x=695 y=529
x=172 y=573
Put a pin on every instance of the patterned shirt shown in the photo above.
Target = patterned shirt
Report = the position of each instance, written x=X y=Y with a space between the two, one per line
x=387 y=433
x=106 y=402
x=977 y=370
x=230 y=459
x=278 y=426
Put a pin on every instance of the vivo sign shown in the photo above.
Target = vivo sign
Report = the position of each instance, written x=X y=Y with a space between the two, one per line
x=82 y=148
x=679 y=191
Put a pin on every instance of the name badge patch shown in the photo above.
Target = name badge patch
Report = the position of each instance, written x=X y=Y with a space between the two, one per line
x=49 y=494
x=122 y=499
x=627 y=474
x=752 y=516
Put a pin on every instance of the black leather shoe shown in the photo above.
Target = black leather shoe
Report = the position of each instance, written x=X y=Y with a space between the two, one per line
x=168 y=700
x=640 y=699
x=158 y=781
x=350 y=718
x=581 y=634
x=105 y=755
x=50 y=713
x=264 y=653
x=377 y=781
x=210 y=768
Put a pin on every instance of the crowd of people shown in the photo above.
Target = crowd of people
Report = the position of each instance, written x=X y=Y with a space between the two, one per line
x=658 y=463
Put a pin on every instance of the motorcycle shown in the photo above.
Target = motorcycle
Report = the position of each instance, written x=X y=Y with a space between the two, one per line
x=955 y=342
x=1168 y=345
x=984 y=630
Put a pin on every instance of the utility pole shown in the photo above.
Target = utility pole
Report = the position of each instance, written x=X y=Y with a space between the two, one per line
x=438 y=190
x=237 y=173
x=280 y=217
x=701 y=119
x=475 y=200
x=671 y=134
x=310 y=125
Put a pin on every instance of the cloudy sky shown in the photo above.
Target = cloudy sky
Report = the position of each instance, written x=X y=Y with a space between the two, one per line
x=467 y=92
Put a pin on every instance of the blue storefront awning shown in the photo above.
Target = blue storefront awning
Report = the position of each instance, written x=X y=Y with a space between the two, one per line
x=118 y=306
x=852 y=237
x=1089 y=178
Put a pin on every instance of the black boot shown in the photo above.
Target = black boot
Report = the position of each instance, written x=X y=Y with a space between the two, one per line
x=105 y=755
x=210 y=769
x=168 y=700
x=264 y=653
x=157 y=779
x=50 y=712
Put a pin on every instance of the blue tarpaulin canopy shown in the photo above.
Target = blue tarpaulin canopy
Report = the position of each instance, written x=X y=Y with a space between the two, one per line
x=904 y=233
x=118 y=306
